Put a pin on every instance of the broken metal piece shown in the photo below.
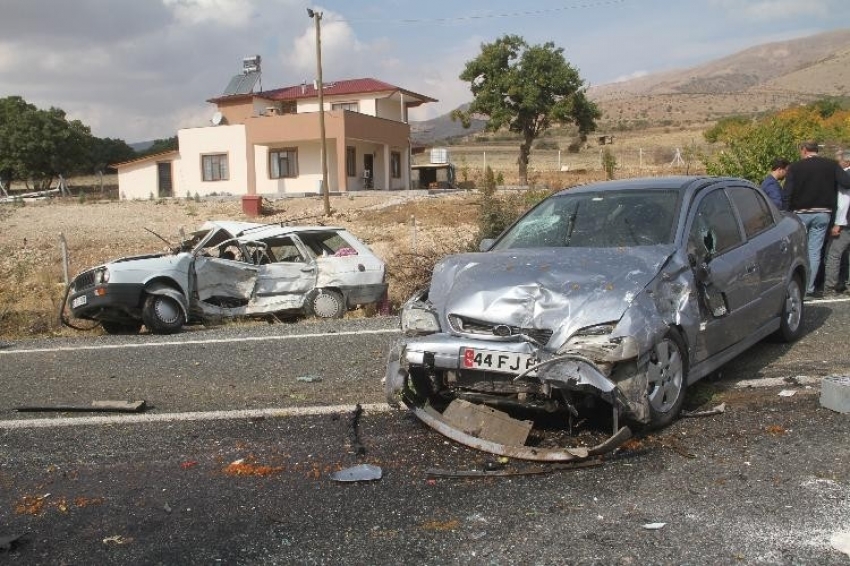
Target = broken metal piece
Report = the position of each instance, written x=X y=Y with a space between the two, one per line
x=487 y=423
x=435 y=420
x=363 y=472
x=95 y=407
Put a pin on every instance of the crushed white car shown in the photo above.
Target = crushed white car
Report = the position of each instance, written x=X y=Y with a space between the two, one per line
x=232 y=269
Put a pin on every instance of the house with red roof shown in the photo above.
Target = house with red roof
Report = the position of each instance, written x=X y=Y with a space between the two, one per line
x=268 y=143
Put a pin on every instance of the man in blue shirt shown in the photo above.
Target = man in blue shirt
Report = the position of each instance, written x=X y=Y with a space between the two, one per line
x=771 y=185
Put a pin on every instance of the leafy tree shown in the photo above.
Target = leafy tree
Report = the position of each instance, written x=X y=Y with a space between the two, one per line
x=38 y=145
x=160 y=146
x=526 y=89
x=750 y=145
x=108 y=151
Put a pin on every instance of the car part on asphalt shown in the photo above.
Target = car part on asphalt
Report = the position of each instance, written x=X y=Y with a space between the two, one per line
x=363 y=472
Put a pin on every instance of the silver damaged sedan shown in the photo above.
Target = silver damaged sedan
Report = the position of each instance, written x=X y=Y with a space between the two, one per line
x=617 y=294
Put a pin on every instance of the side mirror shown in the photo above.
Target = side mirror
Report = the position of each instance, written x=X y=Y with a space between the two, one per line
x=486 y=244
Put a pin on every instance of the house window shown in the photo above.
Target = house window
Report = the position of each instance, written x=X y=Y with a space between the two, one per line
x=214 y=167
x=350 y=161
x=395 y=164
x=350 y=106
x=283 y=163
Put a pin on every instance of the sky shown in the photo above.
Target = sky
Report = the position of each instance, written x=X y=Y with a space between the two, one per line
x=140 y=70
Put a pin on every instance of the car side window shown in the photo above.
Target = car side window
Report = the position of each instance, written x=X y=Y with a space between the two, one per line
x=285 y=250
x=753 y=210
x=714 y=228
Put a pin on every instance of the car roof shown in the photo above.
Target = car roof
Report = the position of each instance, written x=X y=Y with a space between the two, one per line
x=674 y=182
x=239 y=229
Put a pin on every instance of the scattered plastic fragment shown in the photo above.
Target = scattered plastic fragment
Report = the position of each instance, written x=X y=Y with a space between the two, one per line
x=308 y=378
x=654 y=526
x=116 y=539
x=362 y=472
x=787 y=393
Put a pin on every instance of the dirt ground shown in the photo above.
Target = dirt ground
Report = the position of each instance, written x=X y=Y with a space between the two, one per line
x=394 y=225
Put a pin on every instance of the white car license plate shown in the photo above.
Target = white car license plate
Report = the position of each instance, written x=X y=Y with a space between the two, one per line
x=489 y=360
x=79 y=301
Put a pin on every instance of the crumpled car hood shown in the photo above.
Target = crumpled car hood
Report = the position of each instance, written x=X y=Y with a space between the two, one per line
x=561 y=289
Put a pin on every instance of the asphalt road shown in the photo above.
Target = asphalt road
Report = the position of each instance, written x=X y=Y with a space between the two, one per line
x=223 y=469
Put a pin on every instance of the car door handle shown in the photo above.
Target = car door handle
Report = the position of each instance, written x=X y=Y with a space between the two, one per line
x=752 y=268
x=308 y=269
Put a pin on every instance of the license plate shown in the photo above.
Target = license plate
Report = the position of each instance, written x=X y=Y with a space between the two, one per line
x=79 y=301
x=489 y=360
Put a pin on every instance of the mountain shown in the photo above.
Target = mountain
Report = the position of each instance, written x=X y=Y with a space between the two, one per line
x=766 y=77
x=442 y=128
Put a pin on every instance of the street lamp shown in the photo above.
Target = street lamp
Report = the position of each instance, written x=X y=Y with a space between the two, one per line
x=317 y=17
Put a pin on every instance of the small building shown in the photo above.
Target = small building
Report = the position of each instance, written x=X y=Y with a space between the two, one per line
x=269 y=143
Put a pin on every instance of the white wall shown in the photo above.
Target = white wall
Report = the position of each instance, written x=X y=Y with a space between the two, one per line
x=140 y=181
x=309 y=170
x=195 y=142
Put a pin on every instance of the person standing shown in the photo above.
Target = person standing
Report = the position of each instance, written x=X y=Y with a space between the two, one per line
x=770 y=185
x=811 y=192
x=839 y=241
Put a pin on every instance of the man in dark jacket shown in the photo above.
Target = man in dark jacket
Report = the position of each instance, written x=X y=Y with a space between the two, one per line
x=811 y=191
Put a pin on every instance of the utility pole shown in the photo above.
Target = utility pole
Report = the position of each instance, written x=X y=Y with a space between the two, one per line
x=317 y=17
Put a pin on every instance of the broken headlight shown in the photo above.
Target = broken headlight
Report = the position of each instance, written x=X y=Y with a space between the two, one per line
x=596 y=343
x=418 y=318
x=101 y=276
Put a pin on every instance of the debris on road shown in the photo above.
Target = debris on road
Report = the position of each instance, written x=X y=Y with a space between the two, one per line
x=362 y=472
x=654 y=526
x=787 y=393
x=242 y=467
x=117 y=539
x=718 y=410
x=356 y=445
x=835 y=393
x=95 y=407
x=841 y=542
x=438 y=422
x=501 y=473
x=308 y=378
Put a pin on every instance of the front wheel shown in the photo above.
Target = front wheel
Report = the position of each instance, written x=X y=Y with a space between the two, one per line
x=667 y=379
x=791 y=315
x=327 y=303
x=162 y=315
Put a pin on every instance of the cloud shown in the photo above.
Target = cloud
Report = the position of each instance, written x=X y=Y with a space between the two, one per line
x=233 y=13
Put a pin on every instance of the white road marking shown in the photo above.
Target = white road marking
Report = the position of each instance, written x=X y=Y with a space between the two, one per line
x=194 y=342
x=192 y=416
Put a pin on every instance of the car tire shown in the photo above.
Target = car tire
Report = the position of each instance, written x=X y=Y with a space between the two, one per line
x=667 y=379
x=327 y=303
x=791 y=314
x=162 y=314
x=121 y=327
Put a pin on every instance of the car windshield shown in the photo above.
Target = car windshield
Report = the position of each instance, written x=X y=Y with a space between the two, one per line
x=601 y=219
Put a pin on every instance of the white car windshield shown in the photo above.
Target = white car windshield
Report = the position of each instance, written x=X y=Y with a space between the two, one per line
x=602 y=219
